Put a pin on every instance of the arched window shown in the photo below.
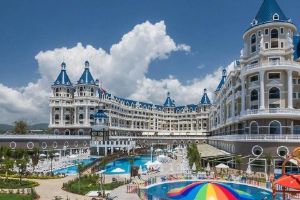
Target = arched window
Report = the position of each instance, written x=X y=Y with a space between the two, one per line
x=56 y=90
x=67 y=117
x=67 y=132
x=275 y=16
x=57 y=117
x=254 y=95
x=253 y=43
x=91 y=116
x=274 y=38
x=274 y=93
x=275 y=127
x=80 y=116
x=81 y=89
x=274 y=34
x=254 y=128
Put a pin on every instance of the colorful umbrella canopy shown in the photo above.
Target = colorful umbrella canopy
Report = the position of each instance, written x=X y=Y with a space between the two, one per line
x=289 y=181
x=208 y=191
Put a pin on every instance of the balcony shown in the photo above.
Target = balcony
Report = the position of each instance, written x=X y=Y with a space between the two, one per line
x=273 y=112
x=258 y=138
x=265 y=65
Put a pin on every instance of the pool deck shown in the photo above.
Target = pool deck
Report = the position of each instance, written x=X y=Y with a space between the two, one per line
x=121 y=193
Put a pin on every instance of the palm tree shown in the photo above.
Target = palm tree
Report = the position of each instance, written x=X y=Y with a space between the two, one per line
x=269 y=160
x=51 y=156
x=81 y=169
x=238 y=161
x=35 y=157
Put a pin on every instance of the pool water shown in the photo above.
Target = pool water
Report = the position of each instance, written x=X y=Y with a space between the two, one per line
x=125 y=165
x=159 y=192
x=73 y=169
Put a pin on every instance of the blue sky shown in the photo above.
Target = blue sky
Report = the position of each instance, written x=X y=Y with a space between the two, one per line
x=212 y=28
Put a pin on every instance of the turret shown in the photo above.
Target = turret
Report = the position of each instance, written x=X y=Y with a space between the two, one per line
x=223 y=79
x=62 y=86
x=86 y=86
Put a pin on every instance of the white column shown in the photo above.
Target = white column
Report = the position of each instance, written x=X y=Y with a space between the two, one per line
x=86 y=115
x=290 y=90
x=243 y=95
x=75 y=115
x=292 y=127
x=61 y=115
x=262 y=90
x=51 y=110
x=233 y=105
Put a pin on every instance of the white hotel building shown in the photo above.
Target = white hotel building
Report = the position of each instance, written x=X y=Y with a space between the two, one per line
x=73 y=108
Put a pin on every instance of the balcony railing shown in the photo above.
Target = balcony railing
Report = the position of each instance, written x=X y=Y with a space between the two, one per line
x=258 y=137
x=270 y=64
x=272 y=111
x=45 y=137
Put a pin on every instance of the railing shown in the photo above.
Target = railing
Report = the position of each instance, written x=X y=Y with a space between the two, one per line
x=272 y=111
x=259 y=137
x=45 y=137
x=175 y=137
x=269 y=64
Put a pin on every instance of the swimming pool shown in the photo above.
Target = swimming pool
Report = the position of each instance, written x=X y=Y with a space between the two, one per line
x=73 y=169
x=159 y=191
x=125 y=165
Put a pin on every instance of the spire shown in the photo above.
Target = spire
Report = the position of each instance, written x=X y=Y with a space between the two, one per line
x=205 y=100
x=63 y=78
x=269 y=12
x=169 y=102
x=86 y=77
x=224 y=75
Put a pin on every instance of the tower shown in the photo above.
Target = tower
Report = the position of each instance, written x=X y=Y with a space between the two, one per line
x=86 y=98
x=61 y=113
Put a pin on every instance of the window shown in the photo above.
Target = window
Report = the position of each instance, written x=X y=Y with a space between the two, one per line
x=294 y=95
x=274 y=38
x=274 y=76
x=299 y=95
x=254 y=95
x=253 y=43
x=281 y=30
x=254 y=107
x=266 y=45
x=254 y=128
x=266 y=31
x=254 y=78
x=274 y=127
x=81 y=116
x=274 y=105
x=294 y=81
x=259 y=33
x=275 y=16
x=298 y=81
x=274 y=93
x=57 y=117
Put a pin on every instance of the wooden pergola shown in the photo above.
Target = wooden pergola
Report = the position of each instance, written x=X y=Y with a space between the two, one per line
x=288 y=181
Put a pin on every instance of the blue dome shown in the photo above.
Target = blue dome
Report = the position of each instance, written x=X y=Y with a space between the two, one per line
x=86 y=77
x=269 y=12
x=63 y=78
x=100 y=115
x=205 y=100
x=169 y=102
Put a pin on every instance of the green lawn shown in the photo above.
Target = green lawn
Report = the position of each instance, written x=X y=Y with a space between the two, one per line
x=15 y=197
x=16 y=184
x=88 y=183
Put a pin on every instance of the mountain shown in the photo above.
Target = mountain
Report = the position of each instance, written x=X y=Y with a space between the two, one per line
x=7 y=127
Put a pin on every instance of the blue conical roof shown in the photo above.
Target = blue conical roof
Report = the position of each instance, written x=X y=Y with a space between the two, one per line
x=63 y=78
x=100 y=115
x=267 y=11
x=205 y=100
x=222 y=80
x=86 y=77
x=169 y=102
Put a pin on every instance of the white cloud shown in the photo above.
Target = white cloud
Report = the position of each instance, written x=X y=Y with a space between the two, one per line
x=122 y=70
x=200 y=66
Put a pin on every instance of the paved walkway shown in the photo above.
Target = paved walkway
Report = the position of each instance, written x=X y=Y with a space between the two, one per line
x=121 y=194
x=50 y=188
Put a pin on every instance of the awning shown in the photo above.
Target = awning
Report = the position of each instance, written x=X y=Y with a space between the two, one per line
x=289 y=181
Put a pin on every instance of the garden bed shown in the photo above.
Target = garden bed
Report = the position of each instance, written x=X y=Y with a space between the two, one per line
x=16 y=184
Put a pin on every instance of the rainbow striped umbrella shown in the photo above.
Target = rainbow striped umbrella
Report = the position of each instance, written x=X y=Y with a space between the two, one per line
x=208 y=191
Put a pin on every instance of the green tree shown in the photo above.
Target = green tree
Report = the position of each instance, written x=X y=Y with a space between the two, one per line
x=20 y=127
x=81 y=169
x=35 y=157
x=51 y=156
x=8 y=166
x=238 y=161
x=269 y=160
